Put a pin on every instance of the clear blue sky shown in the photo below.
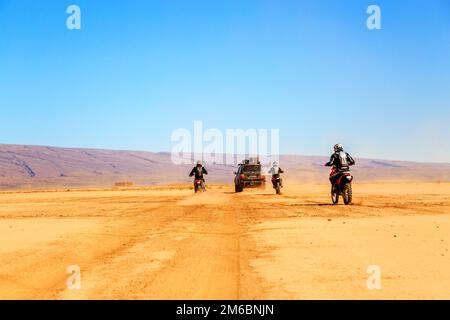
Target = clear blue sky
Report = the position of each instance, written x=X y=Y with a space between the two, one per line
x=137 y=70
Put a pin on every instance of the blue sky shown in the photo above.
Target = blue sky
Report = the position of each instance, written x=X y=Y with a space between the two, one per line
x=137 y=70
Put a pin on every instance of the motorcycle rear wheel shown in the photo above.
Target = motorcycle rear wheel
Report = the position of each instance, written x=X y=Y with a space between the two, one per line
x=199 y=188
x=347 y=194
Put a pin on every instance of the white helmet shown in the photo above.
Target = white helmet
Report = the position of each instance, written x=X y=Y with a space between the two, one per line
x=199 y=162
x=275 y=163
x=338 y=147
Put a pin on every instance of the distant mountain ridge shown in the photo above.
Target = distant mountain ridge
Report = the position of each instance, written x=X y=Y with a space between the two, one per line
x=37 y=167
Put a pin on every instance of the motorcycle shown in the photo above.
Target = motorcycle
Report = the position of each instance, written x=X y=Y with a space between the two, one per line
x=276 y=181
x=342 y=187
x=199 y=186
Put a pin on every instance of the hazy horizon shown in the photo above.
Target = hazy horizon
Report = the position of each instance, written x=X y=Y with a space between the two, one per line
x=169 y=151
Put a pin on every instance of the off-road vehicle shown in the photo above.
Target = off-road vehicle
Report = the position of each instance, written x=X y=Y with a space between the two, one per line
x=249 y=175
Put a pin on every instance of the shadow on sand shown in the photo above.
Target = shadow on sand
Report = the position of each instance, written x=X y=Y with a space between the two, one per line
x=316 y=205
x=251 y=193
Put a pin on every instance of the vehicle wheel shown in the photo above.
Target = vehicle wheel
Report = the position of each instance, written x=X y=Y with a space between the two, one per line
x=347 y=194
x=237 y=188
x=278 y=189
x=334 y=196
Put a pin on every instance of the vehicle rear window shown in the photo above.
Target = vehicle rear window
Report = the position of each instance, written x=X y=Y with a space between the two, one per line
x=252 y=168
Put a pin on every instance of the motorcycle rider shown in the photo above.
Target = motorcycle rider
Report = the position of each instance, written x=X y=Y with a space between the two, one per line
x=198 y=171
x=341 y=161
x=275 y=171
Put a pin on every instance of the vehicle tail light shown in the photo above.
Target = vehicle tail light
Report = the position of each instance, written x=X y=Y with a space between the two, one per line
x=242 y=176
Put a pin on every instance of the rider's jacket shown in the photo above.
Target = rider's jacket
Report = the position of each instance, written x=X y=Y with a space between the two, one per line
x=198 y=172
x=275 y=171
x=341 y=160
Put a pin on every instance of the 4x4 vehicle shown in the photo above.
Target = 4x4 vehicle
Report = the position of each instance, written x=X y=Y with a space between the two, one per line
x=249 y=175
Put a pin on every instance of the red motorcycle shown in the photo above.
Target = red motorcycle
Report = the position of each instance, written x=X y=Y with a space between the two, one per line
x=199 y=186
x=276 y=181
x=342 y=187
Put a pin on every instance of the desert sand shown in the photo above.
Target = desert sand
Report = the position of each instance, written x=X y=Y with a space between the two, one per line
x=167 y=243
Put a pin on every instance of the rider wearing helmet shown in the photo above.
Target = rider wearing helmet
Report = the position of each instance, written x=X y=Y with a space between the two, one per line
x=275 y=171
x=341 y=161
x=198 y=171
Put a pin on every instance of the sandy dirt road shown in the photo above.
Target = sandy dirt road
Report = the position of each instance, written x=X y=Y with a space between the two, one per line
x=167 y=243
